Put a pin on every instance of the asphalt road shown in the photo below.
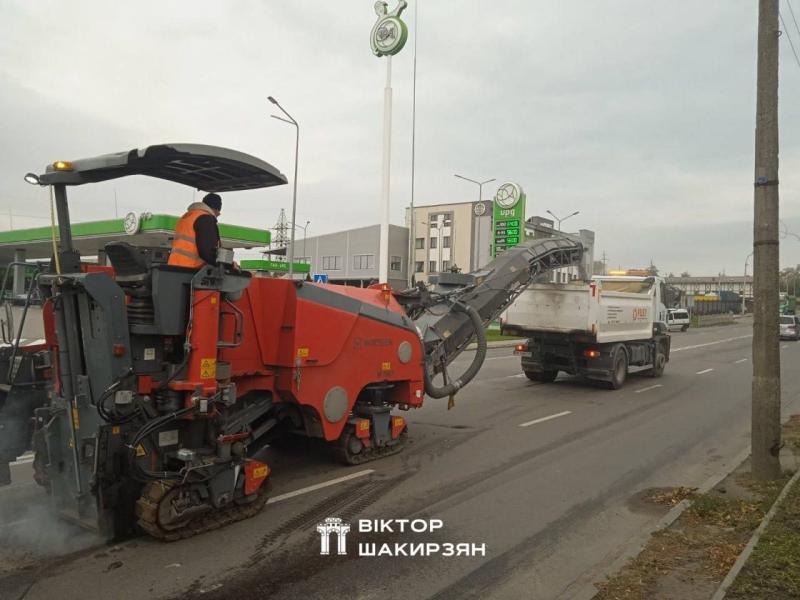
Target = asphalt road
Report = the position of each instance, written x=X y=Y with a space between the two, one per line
x=546 y=476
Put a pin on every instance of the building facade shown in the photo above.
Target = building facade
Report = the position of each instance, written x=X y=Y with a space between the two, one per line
x=738 y=284
x=352 y=257
x=447 y=236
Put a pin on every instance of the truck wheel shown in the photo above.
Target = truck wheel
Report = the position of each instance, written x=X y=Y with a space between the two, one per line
x=542 y=376
x=620 y=372
x=658 y=366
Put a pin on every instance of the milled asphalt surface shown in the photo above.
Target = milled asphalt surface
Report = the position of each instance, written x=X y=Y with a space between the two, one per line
x=554 y=501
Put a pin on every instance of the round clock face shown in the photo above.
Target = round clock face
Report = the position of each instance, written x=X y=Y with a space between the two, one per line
x=480 y=209
x=131 y=223
x=507 y=195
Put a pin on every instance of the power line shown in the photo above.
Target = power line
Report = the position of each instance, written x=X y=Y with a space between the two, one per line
x=791 y=10
x=789 y=37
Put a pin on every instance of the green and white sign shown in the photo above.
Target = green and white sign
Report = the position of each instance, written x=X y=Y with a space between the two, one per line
x=389 y=34
x=274 y=265
x=508 y=218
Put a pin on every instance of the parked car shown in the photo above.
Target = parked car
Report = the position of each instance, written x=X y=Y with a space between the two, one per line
x=678 y=318
x=790 y=327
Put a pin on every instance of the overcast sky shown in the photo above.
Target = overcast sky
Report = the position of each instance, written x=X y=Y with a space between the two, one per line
x=638 y=114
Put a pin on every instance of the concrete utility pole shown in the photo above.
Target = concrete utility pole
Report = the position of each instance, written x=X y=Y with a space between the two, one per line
x=766 y=404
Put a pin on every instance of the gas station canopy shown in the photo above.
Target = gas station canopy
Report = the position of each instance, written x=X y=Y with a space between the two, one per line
x=140 y=230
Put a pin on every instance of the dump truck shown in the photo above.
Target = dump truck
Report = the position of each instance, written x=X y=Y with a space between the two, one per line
x=598 y=329
x=165 y=386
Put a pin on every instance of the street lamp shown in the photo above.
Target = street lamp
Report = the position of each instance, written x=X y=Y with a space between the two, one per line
x=291 y=121
x=480 y=199
x=744 y=282
x=552 y=214
x=304 y=228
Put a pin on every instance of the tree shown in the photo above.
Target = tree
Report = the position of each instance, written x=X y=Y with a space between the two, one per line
x=685 y=274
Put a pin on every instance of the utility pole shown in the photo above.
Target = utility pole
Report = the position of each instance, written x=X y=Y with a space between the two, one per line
x=766 y=401
x=605 y=263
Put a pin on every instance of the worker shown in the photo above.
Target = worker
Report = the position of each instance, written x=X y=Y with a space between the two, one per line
x=197 y=235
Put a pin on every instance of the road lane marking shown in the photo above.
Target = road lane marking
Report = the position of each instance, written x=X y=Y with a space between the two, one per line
x=652 y=387
x=784 y=346
x=519 y=375
x=319 y=486
x=704 y=371
x=23 y=460
x=741 y=360
x=741 y=337
x=543 y=419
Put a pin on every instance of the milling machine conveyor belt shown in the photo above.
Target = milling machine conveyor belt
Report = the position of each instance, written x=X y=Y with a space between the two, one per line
x=489 y=290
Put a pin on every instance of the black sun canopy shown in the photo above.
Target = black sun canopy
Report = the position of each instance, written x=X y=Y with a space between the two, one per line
x=207 y=168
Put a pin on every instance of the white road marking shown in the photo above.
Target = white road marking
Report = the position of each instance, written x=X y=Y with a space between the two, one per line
x=23 y=460
x=652 y=387
x=726 y=340
x=319 y=486
x=784 y=346
x=518 y=375
x=704 y=371
x=36 y=342
x=543 y=419
x=741 y=360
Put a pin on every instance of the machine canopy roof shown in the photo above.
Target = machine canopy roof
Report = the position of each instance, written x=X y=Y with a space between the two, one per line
x=207 y=168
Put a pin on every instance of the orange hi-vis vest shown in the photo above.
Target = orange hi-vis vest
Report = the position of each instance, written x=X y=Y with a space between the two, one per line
x=184 y=245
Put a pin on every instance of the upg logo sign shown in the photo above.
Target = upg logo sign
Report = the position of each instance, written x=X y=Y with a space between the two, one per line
x=333 y=525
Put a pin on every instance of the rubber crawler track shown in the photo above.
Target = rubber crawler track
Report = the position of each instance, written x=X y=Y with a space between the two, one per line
x=155 y=491
x=341 y=449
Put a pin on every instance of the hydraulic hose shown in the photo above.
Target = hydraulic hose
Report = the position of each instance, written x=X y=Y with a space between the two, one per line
x=480 y=355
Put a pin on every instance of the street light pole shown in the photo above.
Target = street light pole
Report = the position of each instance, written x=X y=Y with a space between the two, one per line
x=480 y=199
x=304 y=228
x=291 y=121
x=744 y=283
x=562 y=219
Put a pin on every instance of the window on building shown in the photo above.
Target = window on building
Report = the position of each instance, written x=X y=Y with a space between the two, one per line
x=396 y=264
x=446 y=241
x=362 y=262
x=431 y=266
x=434 y=243
x=331 y=263
x=445 y=265
x=447 y=221
x=420 y=244
x=419 y=266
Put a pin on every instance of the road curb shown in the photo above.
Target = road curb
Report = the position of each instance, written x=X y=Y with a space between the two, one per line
x=498 y=344
x=751 y=544
x=641 y=539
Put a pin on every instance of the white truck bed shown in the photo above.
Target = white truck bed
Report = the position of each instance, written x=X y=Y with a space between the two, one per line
x=596 y=310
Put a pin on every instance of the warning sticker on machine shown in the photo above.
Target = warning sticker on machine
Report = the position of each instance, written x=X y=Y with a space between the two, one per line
x=302 y=353
x=208 y=368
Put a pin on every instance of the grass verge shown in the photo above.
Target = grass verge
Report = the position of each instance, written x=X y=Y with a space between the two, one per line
x=690 y=558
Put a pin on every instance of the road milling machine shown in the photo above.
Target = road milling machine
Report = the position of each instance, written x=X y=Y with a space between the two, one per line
x=166 y=385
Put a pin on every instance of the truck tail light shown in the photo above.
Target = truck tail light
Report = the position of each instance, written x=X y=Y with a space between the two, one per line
x=521 y=347
x=591 y=353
